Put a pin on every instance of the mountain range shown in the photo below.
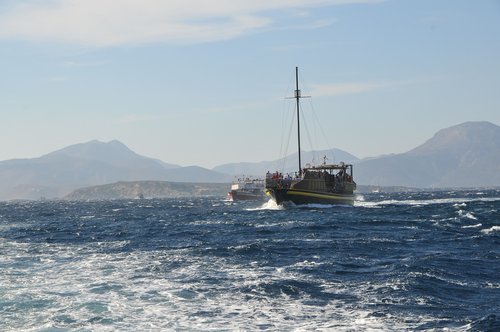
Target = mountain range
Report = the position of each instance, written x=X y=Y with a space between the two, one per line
x=89 y=164
x=288 y=164
x=465 y=155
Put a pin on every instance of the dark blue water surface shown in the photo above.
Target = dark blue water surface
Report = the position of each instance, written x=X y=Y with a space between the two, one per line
x=419 y=261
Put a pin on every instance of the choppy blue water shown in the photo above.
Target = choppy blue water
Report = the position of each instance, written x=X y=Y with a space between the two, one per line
x=392 y=262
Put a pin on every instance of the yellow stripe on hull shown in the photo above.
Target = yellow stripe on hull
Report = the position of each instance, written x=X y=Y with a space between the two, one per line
x=324 y=196
x=300 y=197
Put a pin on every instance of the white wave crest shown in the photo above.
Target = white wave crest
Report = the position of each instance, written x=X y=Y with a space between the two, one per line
x=473 y=226
x=457 y=201
x=269 y=205
x=465 y=214
x=124 y=291
x=491 y=230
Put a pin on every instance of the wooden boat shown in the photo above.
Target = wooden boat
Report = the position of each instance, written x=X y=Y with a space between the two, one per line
x=324 y=184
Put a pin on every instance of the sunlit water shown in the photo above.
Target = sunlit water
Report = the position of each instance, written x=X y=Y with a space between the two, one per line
x=391 y=262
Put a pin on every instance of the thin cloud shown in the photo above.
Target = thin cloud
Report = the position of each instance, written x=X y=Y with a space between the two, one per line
x=76 y=64
x=57 y=79
x=103 y=23
x=142 y=118
x=323 y=90
x=231 y=108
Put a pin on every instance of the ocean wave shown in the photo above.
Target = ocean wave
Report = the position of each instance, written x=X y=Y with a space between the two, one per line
x=269 y=205
x=466 y=214
x=457 y=202
x=217 y=266
x=491 y=230
x=472 y=226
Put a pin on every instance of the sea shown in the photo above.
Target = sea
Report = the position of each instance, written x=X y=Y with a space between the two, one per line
x=420 y=261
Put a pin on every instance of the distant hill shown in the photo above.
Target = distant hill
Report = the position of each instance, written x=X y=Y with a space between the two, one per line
x=112 y=153
x=87 y=164
x=465 y=155
x=148 y=189
x=288 y=164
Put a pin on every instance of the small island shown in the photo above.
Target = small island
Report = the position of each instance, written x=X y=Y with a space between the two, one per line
x=147 y=189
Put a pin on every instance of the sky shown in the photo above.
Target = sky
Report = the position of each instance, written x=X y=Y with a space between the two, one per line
x=194 y=82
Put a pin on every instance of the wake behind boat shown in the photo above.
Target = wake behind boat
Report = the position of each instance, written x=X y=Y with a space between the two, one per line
x=324 y=184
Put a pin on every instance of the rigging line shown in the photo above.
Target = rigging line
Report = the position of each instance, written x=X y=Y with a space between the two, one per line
x=284 y=120
x=316 y=121
x=284 y=142
x=292 y=124
x=315 y=117
x=311 y=143
x=289 y=114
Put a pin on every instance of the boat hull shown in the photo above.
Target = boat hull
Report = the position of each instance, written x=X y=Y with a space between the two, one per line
x=235 y=195
x=301 y=197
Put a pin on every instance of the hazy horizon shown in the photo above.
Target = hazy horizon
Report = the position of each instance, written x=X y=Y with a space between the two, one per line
x=192 y=83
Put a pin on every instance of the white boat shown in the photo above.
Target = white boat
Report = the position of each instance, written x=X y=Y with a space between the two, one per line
x=247 y=189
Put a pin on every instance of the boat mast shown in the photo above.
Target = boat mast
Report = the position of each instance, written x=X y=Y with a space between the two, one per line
x=297 y=97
